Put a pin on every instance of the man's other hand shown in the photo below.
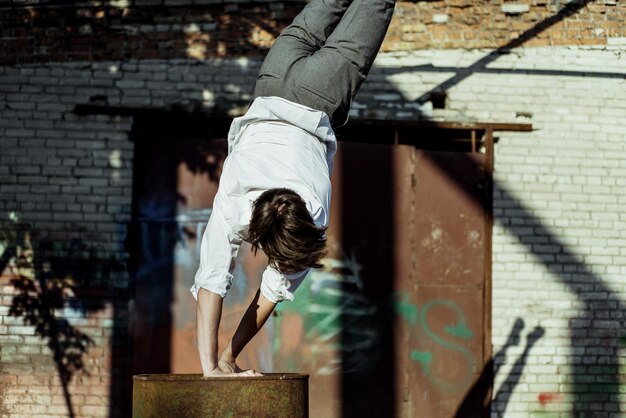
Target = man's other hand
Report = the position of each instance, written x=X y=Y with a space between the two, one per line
x=227 y=372
x=231 y=368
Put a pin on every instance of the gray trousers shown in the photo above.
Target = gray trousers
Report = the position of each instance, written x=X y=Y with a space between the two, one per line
x=321 y=59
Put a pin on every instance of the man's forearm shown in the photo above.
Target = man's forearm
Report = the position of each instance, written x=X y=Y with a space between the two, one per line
x=257 y=313
x=208 y=316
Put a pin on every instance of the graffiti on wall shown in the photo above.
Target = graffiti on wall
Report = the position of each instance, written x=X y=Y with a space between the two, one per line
x=447 y=339
x=549 y=405
x=331 y=325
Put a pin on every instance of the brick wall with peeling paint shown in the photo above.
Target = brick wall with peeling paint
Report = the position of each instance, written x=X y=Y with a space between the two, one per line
x=66 y=178
x=118 y=30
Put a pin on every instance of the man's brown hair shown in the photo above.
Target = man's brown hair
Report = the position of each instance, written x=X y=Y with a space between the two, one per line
x=283 y=229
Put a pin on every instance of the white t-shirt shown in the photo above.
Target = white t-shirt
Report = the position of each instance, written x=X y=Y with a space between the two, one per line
x=276 y=144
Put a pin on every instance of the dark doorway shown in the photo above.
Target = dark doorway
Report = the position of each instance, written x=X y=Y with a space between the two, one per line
x=176 y=171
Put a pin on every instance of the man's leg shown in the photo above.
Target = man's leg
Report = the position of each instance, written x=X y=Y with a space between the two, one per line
x=304 y=36
x=360 y=33
x=323 y=57
x=334 y=74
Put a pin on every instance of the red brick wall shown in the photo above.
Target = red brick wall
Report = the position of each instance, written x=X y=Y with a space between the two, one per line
x=63 y=272
x=43 y=34
x=30 y=382
x=489 y=24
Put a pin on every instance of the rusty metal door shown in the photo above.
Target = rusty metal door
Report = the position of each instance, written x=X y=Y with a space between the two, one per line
x=443 y=304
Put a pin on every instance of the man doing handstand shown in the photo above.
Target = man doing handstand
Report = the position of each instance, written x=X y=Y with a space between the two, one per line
x=275 y=188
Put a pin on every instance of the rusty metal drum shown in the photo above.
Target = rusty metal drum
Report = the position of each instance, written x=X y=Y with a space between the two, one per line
x=191 y=395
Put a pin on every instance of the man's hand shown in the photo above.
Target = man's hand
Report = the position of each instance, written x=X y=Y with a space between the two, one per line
x=230 y=367
x=219 y=372
x=209 y=313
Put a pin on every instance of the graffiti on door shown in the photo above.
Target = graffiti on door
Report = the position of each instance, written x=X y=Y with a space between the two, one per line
x=331 y=325
x=447 y=339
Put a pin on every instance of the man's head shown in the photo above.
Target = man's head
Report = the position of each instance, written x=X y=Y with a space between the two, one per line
x=283 y=229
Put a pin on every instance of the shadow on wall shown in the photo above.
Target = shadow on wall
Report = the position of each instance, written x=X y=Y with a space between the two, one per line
x=501 y=399
x=54 y=280
x=597 y=330
x=367 y=326
x=568 y=10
